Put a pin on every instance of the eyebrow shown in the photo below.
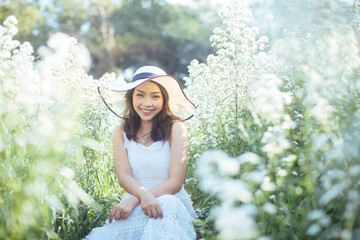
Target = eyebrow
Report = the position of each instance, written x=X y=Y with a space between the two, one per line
x=144 y=92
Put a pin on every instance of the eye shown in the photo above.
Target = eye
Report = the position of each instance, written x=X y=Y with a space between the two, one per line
x=156 y=96
x=139 y=95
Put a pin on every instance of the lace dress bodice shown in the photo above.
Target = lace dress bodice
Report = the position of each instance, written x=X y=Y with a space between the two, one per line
x=150 y=167
x=149 y=164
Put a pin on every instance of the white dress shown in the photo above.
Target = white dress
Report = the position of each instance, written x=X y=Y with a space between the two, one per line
x=150 y=167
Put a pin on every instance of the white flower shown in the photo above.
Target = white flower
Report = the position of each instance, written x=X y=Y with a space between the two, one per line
x=249 y=157
x=282 y=173
x=334 y=191
x=234 y=190
x=315 y=215
x=67 y=173
x=237 y=223
x=267 y=185
x=11 y=20
x=59 y=41
x=254 y=176
x=217 y=162
x=26 y=48
x=229 y=166
x=269 y=208
x=313 y=230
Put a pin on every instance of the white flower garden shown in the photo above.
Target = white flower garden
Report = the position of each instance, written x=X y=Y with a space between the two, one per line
x=274 y=144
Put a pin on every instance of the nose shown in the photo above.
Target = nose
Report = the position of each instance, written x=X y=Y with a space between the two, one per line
x=147 y=101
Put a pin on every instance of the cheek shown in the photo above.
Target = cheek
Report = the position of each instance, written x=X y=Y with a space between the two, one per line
x=160 y=104
x=135 y=101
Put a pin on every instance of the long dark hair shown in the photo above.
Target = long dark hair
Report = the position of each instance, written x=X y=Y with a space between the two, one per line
x=162 y=122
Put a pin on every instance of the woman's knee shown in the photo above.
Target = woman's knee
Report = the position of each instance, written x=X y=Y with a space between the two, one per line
x=169 y=199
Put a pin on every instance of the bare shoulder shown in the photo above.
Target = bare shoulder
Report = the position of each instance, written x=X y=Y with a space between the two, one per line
x=178 y=130
x=118 y=133
x=179 y=139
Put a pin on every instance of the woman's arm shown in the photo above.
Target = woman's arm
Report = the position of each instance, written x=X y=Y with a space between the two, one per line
x=149 y=204
x=121 y=164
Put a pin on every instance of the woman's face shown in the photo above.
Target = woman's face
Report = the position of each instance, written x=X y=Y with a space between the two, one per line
x=147 y=100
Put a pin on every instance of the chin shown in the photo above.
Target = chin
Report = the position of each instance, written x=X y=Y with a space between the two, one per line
x=147 y=118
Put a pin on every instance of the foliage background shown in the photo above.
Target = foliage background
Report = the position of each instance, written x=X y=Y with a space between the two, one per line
x=278 y=101
x=123 y=34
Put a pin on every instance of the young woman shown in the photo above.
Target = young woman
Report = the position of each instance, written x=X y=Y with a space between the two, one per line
x=150 y=155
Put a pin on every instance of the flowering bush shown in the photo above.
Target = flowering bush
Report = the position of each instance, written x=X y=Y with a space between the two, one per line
x=49 y=112
x=37 y=140
x=285 y=110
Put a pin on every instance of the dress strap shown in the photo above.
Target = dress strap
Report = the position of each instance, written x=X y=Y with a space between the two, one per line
x=126 y=141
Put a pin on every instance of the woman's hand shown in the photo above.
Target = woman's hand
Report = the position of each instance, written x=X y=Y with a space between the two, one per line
x=123 y=209
x=150 y=205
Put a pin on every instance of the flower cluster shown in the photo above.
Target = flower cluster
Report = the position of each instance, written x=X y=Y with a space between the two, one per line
x=285 y=109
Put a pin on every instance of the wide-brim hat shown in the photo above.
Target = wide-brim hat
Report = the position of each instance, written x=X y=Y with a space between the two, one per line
x=179 y=104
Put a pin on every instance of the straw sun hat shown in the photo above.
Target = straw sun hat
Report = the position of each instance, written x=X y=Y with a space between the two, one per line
x=179 y=104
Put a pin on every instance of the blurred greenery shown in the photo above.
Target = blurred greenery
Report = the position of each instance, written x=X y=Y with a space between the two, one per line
x=121 y=34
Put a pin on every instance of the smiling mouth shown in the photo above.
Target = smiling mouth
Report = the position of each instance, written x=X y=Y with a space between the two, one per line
x=147 y=111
